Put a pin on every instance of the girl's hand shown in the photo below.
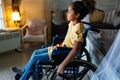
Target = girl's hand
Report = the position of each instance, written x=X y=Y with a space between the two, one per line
x=60 y=69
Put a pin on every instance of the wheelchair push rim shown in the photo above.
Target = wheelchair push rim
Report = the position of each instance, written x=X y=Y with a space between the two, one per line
x=87 y=66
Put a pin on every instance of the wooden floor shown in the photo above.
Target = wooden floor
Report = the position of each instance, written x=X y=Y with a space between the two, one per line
x=15 y=58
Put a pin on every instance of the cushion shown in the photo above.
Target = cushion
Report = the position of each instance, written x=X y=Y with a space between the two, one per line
x=116 y=20
x=109 y=15
x=35 y=27
x=97 y=16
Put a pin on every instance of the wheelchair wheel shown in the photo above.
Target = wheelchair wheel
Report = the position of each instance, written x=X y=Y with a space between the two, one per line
x=84 y=67
x=38 y=77
x=85 y=55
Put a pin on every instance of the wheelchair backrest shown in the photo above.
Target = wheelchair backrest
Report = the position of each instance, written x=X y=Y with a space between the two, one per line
x=60 y=53
x=84 y=39
x=85 y=32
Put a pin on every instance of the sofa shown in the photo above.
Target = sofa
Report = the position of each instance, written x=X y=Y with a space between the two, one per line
x=99 y=43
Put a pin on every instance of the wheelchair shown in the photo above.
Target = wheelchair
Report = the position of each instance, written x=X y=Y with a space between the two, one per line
x=75 y=70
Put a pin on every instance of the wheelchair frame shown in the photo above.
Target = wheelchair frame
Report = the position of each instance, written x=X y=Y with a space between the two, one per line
x=72 y=69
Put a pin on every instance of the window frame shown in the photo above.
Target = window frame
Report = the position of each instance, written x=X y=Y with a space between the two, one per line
x=3 y=13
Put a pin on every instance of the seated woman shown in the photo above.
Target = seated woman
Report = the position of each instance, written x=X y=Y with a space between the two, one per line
x=74 y=39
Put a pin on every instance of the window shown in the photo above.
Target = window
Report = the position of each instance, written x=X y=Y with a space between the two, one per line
x=2 y=26
x=107 y=4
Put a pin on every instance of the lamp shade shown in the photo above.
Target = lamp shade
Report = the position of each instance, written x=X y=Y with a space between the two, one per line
x=15 y=16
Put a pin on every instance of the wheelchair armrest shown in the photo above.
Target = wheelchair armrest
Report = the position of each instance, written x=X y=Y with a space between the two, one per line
x=45 y=45
x=57 y=40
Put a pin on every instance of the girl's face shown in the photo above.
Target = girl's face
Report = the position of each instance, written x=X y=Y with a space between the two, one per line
x=71 y=16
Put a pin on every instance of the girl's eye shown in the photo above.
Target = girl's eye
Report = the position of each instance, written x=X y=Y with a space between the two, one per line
x=69 y=11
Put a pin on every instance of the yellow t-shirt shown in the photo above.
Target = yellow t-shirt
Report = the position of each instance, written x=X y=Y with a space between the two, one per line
x=75 y=33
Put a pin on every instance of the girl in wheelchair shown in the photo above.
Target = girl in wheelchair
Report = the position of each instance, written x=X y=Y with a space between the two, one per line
x=76 y=12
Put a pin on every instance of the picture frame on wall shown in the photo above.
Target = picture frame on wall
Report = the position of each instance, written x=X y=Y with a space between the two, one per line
x=15 y=5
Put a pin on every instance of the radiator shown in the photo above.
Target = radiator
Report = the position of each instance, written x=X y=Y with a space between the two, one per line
x=9 y=41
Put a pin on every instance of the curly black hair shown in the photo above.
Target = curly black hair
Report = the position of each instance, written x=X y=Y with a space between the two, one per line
x=90 y=4
x=80 y=8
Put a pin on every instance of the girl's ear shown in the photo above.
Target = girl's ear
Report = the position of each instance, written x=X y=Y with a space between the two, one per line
x=77 y=15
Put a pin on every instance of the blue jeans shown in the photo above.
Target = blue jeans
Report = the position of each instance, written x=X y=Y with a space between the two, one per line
x=41 y=55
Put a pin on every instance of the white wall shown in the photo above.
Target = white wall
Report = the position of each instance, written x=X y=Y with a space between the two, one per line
x=107 y=4
x=101 y=4
x=37 y=9
x=61 y=4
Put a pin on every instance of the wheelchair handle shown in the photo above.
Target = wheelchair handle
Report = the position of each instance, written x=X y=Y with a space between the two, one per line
x=92 y=29
x=96 y=30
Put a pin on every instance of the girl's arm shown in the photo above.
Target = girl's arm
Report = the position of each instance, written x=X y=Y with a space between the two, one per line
x=76 y=48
